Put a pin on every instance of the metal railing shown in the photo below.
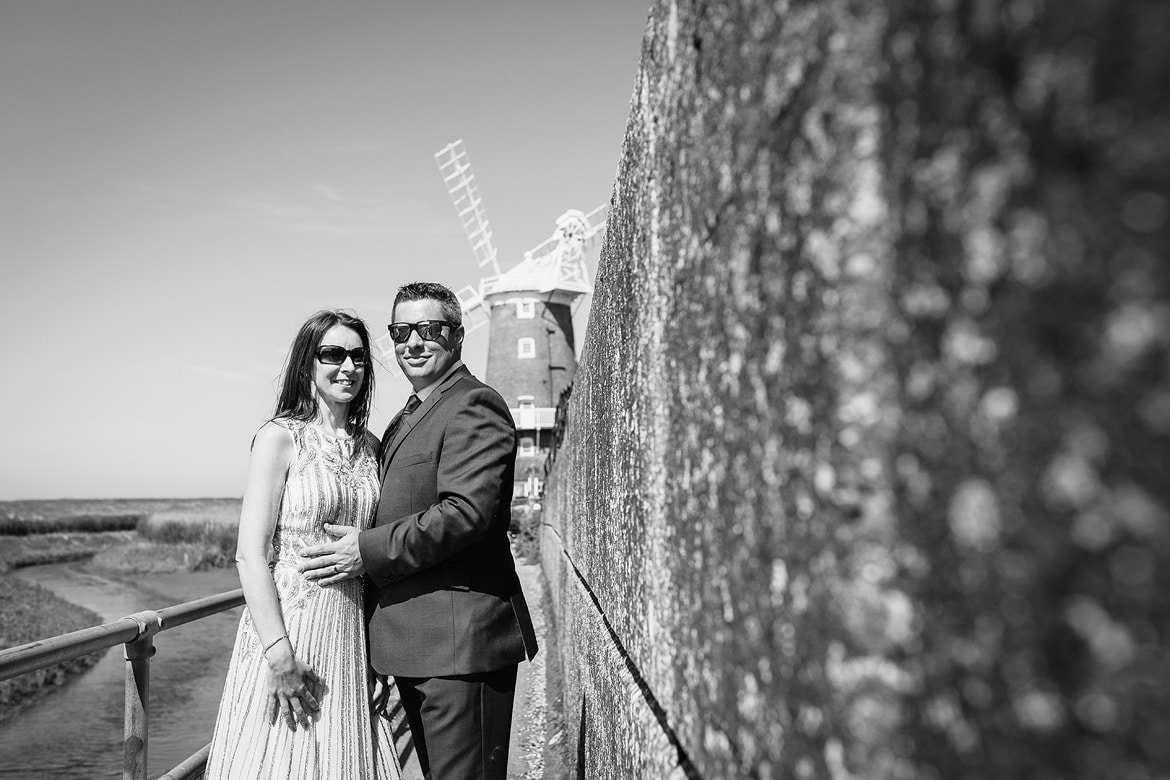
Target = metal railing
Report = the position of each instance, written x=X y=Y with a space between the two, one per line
x=136 y=632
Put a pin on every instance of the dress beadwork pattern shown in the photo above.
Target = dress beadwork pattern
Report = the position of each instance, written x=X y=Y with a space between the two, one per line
x=327 y=483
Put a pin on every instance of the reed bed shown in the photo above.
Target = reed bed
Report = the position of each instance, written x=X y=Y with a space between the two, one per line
x=15 y=525
x=126 y=536
x=205 y=536
x=49 y=508
x=143 y=557
x=129 y=535
x=41 y=549
x=27 y=613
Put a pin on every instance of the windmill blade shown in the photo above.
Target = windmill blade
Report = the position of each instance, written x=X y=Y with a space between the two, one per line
x=544 y=248
x=475 y=312
x=595 y=222
x=460 y=182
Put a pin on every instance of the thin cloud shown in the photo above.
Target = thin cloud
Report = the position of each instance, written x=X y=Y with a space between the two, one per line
x=220 y=373
x=158 y=196
x=358 y=149
x=267 y=207
x=328 y=210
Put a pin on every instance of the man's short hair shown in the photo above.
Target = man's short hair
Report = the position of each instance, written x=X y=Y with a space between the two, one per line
x=432 y=291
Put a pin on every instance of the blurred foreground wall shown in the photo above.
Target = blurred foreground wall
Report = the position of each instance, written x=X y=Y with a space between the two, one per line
x=865 y=471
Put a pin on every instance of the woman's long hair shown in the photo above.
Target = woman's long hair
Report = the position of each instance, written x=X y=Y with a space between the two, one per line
x=297 y=401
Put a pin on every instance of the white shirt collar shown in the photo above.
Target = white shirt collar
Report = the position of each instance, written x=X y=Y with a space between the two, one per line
x=426 y=391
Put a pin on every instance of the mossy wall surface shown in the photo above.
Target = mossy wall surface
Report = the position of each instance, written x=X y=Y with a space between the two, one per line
x=866 y=467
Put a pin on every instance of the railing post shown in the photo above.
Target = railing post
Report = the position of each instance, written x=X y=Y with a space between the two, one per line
x=137 y=721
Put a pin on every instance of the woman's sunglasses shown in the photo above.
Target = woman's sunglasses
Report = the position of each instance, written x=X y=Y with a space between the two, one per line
x=428 y=330
x=333 y=355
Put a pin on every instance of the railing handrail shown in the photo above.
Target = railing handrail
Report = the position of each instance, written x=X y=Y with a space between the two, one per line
x=136 y=634
x=190 y=611
x=15 y=661
x=190 y=767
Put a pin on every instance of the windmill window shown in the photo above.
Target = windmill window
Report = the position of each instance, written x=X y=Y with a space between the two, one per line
x=525 y=309
x=526 y=348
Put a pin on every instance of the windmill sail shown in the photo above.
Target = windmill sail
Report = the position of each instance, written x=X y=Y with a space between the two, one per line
x=460 y=183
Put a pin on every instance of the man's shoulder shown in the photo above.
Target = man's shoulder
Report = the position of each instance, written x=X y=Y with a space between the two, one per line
x=468 y=389
x=463 y=382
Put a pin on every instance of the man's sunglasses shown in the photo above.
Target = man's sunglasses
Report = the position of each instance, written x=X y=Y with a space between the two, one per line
x=333 y=355
x=428 y=330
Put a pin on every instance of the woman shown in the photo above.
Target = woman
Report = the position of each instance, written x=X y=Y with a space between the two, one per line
x=296 y=700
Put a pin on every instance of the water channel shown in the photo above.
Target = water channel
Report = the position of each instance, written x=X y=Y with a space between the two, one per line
x=76 y=730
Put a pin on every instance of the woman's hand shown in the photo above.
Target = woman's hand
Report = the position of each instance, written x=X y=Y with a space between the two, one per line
x=330 y=563
x=293 y=686
x=379 y=686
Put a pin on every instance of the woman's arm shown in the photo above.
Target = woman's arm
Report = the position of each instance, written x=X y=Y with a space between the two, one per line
x=291 y=682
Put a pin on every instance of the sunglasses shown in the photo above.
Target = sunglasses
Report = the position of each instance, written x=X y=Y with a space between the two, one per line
x=333 y=355
x=428 y=330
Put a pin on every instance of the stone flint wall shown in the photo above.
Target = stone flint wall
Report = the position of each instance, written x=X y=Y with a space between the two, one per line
x=865 y=470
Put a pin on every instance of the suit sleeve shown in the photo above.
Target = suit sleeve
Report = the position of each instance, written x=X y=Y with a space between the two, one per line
x=479 y=444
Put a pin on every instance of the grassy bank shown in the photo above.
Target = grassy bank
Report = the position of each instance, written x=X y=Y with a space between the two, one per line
x=120 y=535
x=191 y=538
x=29 y=613
x=40 y=549
x=133 y=536
x=16 y=525
x=49 y=509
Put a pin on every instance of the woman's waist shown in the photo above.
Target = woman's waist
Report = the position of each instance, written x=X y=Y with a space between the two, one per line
x=295 y=589
x=290 y=544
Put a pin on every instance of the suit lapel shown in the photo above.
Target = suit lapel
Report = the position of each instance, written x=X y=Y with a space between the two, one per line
x=413 y=419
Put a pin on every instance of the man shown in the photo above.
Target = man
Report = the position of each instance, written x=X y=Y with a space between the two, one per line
x=449 y=620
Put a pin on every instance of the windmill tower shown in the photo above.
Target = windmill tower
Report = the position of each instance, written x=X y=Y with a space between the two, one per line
x=529 y=309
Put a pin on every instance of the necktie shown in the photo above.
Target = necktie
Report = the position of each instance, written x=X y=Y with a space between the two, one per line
x=412 y=403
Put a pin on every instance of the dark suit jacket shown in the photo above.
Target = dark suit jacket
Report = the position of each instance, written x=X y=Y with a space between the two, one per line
x=441 y=582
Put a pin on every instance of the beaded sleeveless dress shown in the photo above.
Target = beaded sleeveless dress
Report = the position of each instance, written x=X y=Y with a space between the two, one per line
x=327 y=483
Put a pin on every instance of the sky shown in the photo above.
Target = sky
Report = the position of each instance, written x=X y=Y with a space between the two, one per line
x=182 y=184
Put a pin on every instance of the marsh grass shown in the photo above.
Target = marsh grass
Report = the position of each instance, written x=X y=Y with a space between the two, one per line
x=204 y=536
x=28 y=613
x=106 y=514
x=15 y=525
x=133 y=536
x=144 y=557
x=41 y=549
x=123 y=535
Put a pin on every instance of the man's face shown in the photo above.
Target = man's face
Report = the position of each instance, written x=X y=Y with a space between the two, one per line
x=425 y=360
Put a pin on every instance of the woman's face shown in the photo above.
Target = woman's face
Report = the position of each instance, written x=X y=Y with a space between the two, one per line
x=338 y=382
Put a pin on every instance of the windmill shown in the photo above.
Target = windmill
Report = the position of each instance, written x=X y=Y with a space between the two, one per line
x=529 y=310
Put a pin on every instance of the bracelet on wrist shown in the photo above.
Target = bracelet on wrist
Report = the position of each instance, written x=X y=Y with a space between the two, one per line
x=272 y=644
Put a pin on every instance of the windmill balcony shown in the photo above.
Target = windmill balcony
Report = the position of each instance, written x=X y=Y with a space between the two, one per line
x=534 y=418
